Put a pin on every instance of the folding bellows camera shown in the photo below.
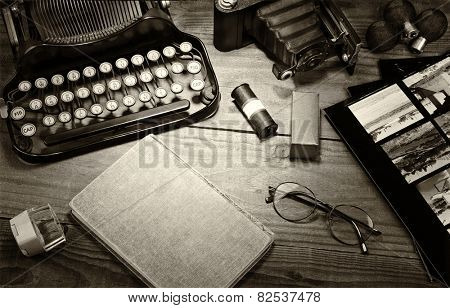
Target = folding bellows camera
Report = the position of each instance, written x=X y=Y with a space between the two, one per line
x=298 y=34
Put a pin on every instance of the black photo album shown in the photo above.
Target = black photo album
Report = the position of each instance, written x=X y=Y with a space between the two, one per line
x=400 y=133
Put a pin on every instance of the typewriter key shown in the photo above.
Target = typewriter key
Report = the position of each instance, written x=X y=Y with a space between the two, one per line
x=28 y=130
x=57 y=80
x=41 y=83
x=89 y=72
x=130 y=80
x=83 y=93
x=112 y=105
x=122 y=63
x=24 y=86
x=146 y=77
x=153 y=55
x=137 y=60
x=67 y=97
x=197 y=84
x=98 y=88
x=177 y=68
x=106 y=67
x=64 y=117
x=35 y=104
x=49 y=120
x=169 y=52
x=129 y=101
x=145 y=96
x=194 y=67
x=80 y=113
x=160 y=93
x=18 y=113
x=114 y=85
x=51 y=100
x=161 y=73
x=96 y=109
x=186 y=47
x=176 y=88
x=73 y=75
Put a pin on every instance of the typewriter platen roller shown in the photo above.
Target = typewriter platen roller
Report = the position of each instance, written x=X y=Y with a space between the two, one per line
x=91 y=73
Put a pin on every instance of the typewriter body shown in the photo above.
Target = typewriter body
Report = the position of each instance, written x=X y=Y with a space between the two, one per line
x=91 y=73
x=298 y=34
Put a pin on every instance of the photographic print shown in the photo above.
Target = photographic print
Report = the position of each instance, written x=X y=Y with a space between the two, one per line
x=418 y=152
x=385 y=113
x=444 y=122
x=432 y=86
x=436 y=191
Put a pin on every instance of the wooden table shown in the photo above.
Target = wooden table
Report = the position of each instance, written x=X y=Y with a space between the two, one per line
x=226 y=151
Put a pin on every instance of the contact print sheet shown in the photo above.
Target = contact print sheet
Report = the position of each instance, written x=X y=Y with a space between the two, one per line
x=400 y=135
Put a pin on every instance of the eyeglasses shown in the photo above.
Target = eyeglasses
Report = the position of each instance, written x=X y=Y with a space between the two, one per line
x=348 y=224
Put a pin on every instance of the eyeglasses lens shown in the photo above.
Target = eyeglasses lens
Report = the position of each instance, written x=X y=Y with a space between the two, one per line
x=294 y=202
x=344 y=230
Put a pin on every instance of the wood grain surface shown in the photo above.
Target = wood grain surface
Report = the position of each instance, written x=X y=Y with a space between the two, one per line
x=227 y=152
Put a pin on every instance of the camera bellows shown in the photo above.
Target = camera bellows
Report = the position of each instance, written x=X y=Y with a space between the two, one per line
x=381 y=37
x=254 y=111
x=432 y=25
x=401 y=13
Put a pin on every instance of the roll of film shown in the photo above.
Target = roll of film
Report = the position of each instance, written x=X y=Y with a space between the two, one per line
x=254 y=110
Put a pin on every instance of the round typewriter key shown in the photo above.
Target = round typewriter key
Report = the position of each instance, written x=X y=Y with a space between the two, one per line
x=153 y=55
x=67 y=97
x=176 y=88
x=129 y=101
x=122 y=63
x=161 y=73
x=41 y=83
x=49 y=120
x=73 y=75
x=169 y=52
x=194 y=67
x=64 y=117
x=130 y=80
x=51 y=100
x=80 y=113
x=24 y=86
x=18 y=113
x=146 y=77
x=89 y=72
x=177 y=68
x=98 y=88
x=105 y=67
x=197 y=84
x=160 y=93
x=112 y=105
x=83 y=92
x=28 y=130
x=96 y=109
x=36 y=104
x=57 y=80
x=186 y=47
x=137 y=60
x=145 y=96
x=114 y=85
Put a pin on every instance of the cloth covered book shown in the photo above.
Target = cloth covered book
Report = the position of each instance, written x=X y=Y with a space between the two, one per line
x=167 y=223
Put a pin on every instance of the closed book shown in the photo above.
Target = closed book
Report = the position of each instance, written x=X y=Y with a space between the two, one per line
x=167 y=223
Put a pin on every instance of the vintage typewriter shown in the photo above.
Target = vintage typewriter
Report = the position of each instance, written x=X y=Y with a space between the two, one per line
x=91 y=73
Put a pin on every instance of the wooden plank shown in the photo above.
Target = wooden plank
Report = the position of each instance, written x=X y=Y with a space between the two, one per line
x=82 y=262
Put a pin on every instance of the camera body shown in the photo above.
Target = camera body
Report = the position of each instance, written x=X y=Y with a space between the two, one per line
x=298 y=34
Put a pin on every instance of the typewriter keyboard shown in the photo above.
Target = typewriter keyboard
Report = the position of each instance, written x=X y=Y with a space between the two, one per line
x=107 y=96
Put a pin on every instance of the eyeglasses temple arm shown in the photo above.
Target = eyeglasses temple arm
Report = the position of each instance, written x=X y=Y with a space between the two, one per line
x=360 y=239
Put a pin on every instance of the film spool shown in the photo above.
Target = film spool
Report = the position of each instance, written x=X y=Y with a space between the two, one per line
x=254 y=110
